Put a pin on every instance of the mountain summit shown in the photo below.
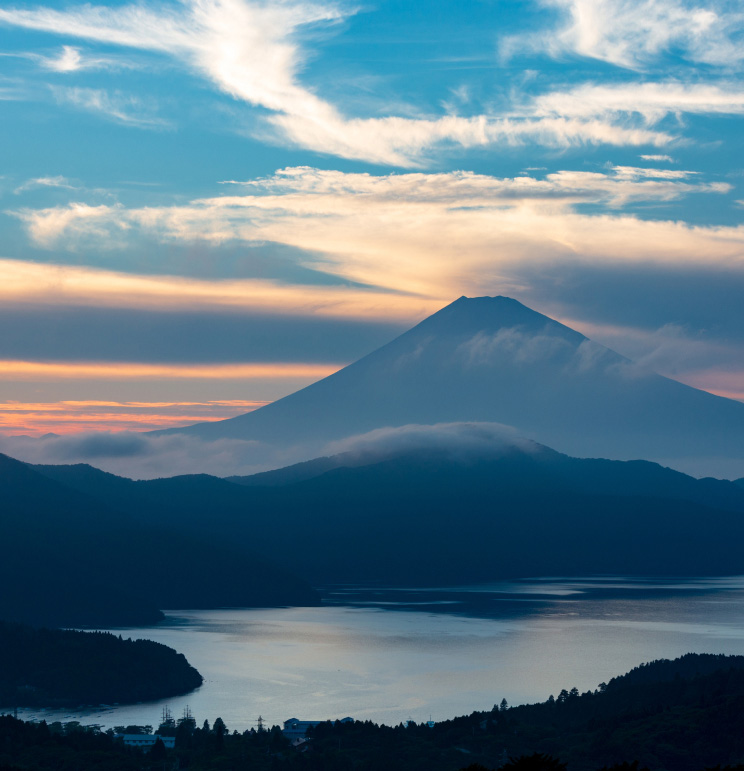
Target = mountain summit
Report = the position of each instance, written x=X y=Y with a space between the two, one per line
x=492 y=359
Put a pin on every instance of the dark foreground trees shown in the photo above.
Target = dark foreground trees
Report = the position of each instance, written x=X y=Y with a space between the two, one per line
x=684 y=715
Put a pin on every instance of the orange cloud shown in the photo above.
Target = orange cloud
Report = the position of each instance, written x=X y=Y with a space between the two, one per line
x=30 y=282
x=720 y=382
x=63 y=417
x=40 y=371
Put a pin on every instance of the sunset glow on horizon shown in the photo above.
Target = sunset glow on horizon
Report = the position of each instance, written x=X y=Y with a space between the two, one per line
x=37 y=419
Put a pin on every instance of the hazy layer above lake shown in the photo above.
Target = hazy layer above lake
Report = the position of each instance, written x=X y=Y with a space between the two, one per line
x=387 y=655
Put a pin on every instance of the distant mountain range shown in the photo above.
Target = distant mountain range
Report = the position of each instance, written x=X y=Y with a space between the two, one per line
x=491 y=359
x=446 y=515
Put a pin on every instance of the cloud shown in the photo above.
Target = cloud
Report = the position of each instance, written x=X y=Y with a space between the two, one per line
x=634 y=34
x=452 y=439
x=303 y=191
x=658 y=158
x=72 y=59
x=147 y=456
x=251 y=52
x=14 y=369
x=470 y=189
x=431 y=235
x=515 y=345
x=142 y=456
x=66 y=416
x=652 y=101
x=73 y=286
x=121 y=108
x=728 y=382
x=45 y=182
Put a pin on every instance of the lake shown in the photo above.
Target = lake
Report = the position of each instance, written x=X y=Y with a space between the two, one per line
x=388 y=654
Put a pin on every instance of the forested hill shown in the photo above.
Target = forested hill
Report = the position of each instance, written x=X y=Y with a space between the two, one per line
x=680 y=715
x=449 y=515
x=70 y=558
x=53 y=667
x=683 y=715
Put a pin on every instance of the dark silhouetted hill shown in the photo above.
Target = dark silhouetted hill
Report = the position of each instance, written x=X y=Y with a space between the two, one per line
x=69 y=558
x=53 y=667
x=425 y=516
x=677 y=715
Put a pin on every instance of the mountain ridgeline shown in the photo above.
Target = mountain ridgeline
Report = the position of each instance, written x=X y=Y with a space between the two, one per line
x=69 y=558
x=492 y=359
x=446 y=514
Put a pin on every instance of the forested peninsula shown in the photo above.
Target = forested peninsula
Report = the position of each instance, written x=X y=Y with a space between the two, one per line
x=54 y=667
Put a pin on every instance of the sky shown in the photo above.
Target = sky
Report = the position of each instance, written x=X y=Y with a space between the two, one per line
x=206 y=205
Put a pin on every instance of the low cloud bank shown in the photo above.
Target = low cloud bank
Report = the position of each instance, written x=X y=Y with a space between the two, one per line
x=140 y=455
x=147 y=456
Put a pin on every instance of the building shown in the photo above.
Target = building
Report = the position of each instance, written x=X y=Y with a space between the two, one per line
x=297 y=729
x=146 y=741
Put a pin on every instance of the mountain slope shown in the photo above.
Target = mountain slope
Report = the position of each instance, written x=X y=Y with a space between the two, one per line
x=447 y=515
x=70 y=558
x=491 y=359
x=424 y=521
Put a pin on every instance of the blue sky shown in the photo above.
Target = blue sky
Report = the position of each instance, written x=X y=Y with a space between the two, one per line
x=207 y=204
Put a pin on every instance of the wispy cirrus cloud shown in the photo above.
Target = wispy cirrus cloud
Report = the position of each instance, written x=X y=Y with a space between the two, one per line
x=657 y=158
x=633 y=34
x=652 y=101
x=72 y=59
x=42 y=182
x=252 y=52
x=114 y=105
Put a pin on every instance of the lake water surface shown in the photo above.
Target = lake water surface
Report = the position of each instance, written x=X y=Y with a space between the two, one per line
x=389 y=655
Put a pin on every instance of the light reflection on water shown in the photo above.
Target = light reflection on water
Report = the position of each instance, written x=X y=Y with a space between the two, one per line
x=389 y=654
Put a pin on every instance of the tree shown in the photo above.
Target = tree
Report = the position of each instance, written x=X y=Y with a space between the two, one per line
x=158 y=751
x=503 y=706
x=535 y=762
x=219 y=727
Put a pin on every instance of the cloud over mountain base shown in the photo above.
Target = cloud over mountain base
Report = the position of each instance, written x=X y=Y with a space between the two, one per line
x=147 y=456
x=151 y=456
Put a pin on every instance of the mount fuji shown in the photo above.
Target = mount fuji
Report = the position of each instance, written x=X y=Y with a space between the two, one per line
x=494 y=360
